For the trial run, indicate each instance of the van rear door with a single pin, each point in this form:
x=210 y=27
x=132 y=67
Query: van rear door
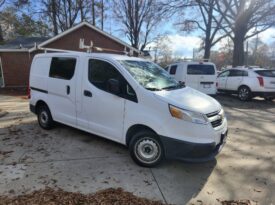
x=202 y=77
x=62 y=89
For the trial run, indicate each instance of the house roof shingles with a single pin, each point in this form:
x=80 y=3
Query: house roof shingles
x=23 y=42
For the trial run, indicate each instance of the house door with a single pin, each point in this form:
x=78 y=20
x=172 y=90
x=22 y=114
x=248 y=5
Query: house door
x=1 y=75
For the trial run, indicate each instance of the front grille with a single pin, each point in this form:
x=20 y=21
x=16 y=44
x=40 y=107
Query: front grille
x=212 y=114
x=216 y=123
x=216 y=118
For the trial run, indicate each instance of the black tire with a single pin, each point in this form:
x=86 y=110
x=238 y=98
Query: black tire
x=269 y=98
x=146 y=149
x=244 y=93
x=44 y=117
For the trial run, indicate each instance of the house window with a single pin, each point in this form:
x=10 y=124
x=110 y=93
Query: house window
x=62 y=68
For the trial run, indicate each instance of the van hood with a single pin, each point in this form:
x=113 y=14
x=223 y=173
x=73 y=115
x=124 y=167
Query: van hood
x=189 y=99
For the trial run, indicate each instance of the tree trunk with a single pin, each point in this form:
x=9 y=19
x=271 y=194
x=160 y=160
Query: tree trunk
x=54 y=16
x=208 y=40
x=102 y=15
x=93 y=12
x=207 y=49
x=81 y=11
x=1 y=35
x=238 y=52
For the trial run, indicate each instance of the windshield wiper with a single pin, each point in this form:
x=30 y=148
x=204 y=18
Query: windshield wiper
x=154 y=89
x=180 y=85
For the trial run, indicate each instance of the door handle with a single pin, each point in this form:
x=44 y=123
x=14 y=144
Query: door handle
x=87 y=93
x=68 y=89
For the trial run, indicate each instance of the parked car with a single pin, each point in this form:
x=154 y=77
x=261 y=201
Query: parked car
x=248 y=83
x=128 y=100
x=198 y=75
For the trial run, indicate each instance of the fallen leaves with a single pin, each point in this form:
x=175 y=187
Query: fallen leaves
x=49 y=196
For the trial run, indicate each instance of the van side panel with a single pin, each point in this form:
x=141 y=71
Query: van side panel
x=39 y=73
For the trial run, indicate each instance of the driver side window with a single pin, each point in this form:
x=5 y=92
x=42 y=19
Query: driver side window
x=100 y=72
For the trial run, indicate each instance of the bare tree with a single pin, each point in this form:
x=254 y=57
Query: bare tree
x=102 y=9
x=64 y=14
x=68 y=13
x=53 y=7
x=198 y=15
x=163 y=50
x=139 y=18
x=243 y=20
x=93 y=12
x=2 y=2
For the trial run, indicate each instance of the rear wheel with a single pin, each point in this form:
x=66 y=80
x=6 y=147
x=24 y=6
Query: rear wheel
x=244 y=93
x=146 y=149
x=44 y=117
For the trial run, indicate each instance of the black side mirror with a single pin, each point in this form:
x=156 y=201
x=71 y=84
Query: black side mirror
x=113 y=86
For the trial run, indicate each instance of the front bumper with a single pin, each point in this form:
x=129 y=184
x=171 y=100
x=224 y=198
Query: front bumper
x=193 y=152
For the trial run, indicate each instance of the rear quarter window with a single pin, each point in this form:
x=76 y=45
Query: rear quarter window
x=62 y=68
x=200 y=69
x=266 y=73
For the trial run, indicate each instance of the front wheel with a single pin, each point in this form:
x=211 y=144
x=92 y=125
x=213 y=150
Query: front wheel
x=44 y=117
x=244 y=93
x=146 y=149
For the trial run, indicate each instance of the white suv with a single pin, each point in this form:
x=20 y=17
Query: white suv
x=248 y=82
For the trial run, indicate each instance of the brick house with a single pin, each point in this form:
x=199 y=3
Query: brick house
x=16 y=56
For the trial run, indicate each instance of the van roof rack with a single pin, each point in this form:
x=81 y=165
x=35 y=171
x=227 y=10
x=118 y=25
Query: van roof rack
x=91 y=47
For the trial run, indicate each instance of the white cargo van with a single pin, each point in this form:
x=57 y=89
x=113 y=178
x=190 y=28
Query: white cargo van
x=198 y=75
x=128 y=100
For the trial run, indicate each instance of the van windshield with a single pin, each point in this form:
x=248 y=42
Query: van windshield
x=150 y=75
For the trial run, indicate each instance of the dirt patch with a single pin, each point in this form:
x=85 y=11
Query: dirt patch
x=50 y=196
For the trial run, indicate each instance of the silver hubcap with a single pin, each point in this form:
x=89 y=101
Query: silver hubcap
x=243 y=94
x=147 y=150
x=44 y=117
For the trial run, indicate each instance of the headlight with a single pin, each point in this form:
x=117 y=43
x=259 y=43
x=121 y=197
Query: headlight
x=188 y=115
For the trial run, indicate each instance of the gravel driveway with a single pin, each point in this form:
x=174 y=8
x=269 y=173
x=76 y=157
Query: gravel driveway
x=32 y=158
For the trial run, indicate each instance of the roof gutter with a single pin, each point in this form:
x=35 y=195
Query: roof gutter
x=14 y=50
